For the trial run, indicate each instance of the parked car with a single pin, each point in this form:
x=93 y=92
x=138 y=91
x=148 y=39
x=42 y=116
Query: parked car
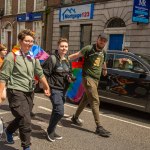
x=127 y=83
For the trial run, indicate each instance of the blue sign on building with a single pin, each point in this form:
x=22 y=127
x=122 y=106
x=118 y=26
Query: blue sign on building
x=76 y=12
x=21 y=18
x=141 y=11
x=29 y=17
x=37 y=16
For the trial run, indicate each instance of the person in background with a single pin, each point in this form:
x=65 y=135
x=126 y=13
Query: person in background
x=18 y=72
x=125 y=50
x=94 y=63
x=3 y=52
x=124 y=60
x=58 y=72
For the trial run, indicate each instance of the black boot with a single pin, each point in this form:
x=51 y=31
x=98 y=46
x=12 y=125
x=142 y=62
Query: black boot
x=102 y=132
x=76 y=121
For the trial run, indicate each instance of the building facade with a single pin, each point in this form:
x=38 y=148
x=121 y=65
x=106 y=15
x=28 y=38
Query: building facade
x=81 y=21
x=18 y=15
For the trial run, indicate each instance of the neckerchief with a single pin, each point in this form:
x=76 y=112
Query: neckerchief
x=16 y=50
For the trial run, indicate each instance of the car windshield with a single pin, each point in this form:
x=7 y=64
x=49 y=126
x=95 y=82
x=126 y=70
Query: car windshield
x=144 y=57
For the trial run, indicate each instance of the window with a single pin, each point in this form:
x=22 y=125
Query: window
x=85 y=38
x=125 y=62
x=110 y=58
x=64 y=31
x=8 y=7
x=39 y=5
x=20 y=27
x=21 y=6
x=37 y=28
x=116 y=22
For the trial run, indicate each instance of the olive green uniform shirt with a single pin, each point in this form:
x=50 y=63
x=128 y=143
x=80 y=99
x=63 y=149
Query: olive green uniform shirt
x=93 y=61
x=19 y=71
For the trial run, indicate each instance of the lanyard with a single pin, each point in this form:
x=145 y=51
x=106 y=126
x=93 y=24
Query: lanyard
x=23 y=55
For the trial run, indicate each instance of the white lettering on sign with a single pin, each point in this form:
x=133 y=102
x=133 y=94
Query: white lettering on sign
x=142 y=2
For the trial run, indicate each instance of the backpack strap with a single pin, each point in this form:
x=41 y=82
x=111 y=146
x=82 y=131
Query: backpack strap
x=14 y=57
x=53 y=57
x=91 y=51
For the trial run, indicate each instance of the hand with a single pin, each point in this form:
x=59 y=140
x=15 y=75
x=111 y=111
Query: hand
x=104 y=72
x=70 y=80
x=47 y=92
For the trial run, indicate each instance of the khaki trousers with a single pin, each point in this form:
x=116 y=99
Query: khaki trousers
x=91 y=96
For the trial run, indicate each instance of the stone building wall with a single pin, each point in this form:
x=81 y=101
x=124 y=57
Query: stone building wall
x=136 y=35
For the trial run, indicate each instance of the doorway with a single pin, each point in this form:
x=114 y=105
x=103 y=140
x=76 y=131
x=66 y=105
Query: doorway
x=116 y=29
x=116 y=41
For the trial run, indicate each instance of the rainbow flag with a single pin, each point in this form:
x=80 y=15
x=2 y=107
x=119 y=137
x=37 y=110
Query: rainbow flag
x=39 y=53
x=76 y=89
x=35 y=52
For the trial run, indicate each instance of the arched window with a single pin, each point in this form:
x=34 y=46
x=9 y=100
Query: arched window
x=8 y=26
x=115 y=23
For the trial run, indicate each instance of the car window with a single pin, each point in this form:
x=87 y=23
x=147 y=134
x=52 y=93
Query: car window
x=109 y=60
x=127 y=63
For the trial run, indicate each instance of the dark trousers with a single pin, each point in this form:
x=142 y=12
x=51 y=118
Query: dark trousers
x=58 y=99
x=21 y=104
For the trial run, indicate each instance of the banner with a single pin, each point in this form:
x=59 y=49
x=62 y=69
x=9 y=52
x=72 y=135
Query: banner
x=76 y=12
x=141 y=11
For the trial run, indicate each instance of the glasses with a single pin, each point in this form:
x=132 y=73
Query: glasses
x=28 y=41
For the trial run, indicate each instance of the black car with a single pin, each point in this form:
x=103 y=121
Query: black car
x=128 y=80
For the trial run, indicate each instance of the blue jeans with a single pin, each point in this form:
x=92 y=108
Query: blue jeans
x=58 y=99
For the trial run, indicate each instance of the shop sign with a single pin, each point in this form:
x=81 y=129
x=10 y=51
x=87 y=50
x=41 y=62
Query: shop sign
x=22 y=17
x=141 y=11
x=29 y=17
x=76 y=12
x=37 y=16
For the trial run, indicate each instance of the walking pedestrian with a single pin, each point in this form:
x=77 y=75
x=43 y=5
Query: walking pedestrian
x=94 y=63
x=58 y=72
x=18 y=72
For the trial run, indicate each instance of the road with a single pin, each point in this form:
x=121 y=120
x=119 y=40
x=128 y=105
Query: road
x=130 y=129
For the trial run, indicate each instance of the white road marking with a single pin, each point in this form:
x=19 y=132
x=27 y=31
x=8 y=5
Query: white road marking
x=103 y=115
x=44 y=108
x=5 y=112
x=112 y=99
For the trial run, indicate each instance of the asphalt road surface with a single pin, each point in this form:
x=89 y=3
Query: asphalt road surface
x=130 y=129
